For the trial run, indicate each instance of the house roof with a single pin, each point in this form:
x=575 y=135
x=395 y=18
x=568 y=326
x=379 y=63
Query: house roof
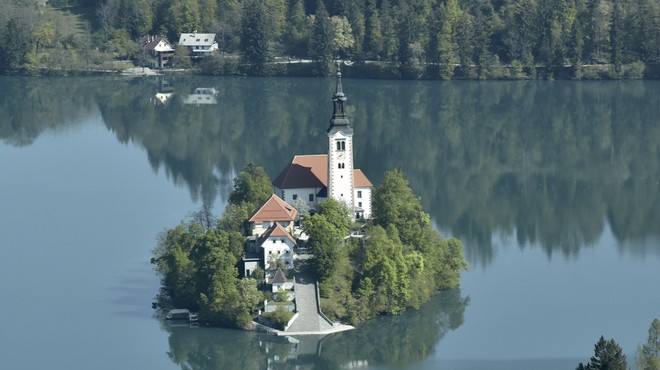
x=152 y=42
x=360 y=180
x=276 y=231
x=311 y=171
x=304 y=171
x=197 y=39
x=279 y=277
x=274 y=209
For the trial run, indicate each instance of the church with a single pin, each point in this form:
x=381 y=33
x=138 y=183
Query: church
x=312 y=179
x=317 y=177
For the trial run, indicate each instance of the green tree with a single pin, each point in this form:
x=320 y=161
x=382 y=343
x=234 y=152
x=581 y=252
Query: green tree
x=325 y=239
x=255 y=37
x=320 y=43
x=182 y=57
x=647 y=356
x=395 y=204
x=373 y=38
x=616 y=38
x=337 y=213
x=15 y=46
x=343 y=39
x=251 y=186
x=297 y=29
x=608 y=355
x=186 y=15
x=447 y=48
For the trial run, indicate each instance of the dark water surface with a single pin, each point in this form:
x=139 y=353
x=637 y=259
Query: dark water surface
x=554 y=188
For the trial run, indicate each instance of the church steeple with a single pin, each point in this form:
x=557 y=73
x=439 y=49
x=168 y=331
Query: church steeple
x=340 y=151
x=339 y=119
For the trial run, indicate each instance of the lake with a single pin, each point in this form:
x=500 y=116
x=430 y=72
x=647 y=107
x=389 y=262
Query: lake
x=553 y=187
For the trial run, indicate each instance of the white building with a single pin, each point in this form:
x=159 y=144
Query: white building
x=199 y=44
x=277 y=244
x=159 y=49
x=314 y=178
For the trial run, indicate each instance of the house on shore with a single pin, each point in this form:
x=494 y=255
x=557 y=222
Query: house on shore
x=159 y=49
x=199 y=44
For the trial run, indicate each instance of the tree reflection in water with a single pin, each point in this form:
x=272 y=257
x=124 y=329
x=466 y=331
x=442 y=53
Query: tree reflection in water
x=390 y=340
x=549 y=164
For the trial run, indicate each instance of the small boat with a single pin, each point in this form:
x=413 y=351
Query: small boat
x=181 y=314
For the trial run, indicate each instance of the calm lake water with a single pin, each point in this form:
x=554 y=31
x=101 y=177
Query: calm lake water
x=554 y=188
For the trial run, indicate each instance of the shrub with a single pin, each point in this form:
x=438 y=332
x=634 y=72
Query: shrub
x=280 y=317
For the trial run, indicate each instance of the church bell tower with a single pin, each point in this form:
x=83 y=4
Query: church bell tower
x=340 y=151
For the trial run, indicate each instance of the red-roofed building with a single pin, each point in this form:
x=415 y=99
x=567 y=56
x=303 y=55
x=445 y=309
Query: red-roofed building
x=277 y=243
x=272 y=211
x=314 y=178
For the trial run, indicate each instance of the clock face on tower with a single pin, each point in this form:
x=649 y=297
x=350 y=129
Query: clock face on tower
x=340 y=155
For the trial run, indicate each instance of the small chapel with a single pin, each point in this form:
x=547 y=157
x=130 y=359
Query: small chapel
x=316 y=177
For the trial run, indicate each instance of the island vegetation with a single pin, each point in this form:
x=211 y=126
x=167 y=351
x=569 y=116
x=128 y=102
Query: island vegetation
x=399 y=261
x=437 y=39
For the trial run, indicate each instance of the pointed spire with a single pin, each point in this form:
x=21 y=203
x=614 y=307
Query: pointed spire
x=339 y=93
x=338 y=113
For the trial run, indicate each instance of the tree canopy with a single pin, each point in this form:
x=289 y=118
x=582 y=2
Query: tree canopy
x=648 y=355
x=398 y=263
x=421 y=38
x=197 y=260
x=608 y=355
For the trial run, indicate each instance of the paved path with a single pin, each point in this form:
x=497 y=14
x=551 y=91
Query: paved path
x=309 y=321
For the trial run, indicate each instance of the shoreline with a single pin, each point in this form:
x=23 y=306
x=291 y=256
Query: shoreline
x=226 y=66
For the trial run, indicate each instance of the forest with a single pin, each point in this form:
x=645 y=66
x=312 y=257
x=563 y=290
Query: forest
x=436 y=39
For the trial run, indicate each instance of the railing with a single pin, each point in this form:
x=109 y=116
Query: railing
x=318 y=305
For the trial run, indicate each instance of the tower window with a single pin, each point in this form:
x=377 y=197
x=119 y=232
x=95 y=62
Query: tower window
x=341 y=165
x=294 y=196
x=359 y=193
x=341 y=144
x=311 y=197
x=360 y=204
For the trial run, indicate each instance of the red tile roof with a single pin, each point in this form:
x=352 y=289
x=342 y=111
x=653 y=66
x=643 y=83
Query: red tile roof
x=274 y=209
x=304 y=171
x=276 y=231
x=311 y=171
x=360 y=180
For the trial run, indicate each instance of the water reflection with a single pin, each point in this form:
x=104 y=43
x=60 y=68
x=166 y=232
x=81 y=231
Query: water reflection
x=551 y=164
x=394 y=341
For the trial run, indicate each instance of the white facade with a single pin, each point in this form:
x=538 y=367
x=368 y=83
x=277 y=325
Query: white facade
x=306 y=194
x=199 y=44
x=340 y=167
x=278 y=247
x=362 y=196
x=258 y=228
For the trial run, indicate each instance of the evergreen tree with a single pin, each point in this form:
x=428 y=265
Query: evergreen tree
x=255 y=38
x=320 y=43
x=297 y=29
x=373 y=38
x=608 y=355
x=616 y=39
x=14 y=48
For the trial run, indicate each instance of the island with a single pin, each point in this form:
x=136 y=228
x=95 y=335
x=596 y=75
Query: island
x=315 y=251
